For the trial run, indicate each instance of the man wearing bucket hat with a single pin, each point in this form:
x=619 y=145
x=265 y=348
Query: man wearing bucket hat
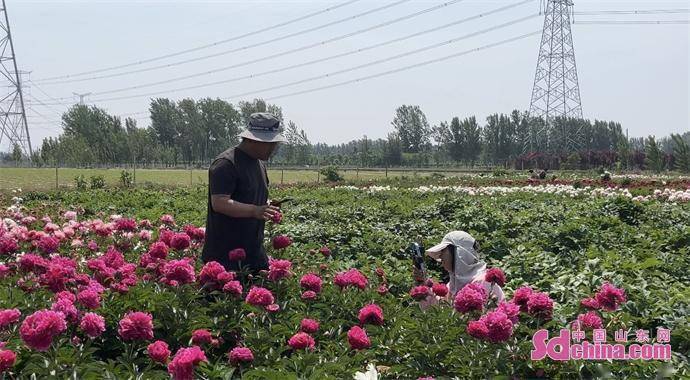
x=458 y=253
x=238 y=196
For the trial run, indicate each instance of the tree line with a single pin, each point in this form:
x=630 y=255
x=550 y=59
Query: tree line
x=195 y=131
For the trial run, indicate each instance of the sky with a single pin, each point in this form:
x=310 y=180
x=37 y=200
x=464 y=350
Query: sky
x=634 y=74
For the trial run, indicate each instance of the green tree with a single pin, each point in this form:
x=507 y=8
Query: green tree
x=681 y=153
x=653 y=155
x=412 y=128
x=393 y=150
x=17 y=153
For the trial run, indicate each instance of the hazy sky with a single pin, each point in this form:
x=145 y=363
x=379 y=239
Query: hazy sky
x=635 y=74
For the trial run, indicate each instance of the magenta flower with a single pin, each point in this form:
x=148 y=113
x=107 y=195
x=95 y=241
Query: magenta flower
x=470 y=298
x=301 y=341
x=281 y=242
x=311 y=281
x=237 y=254
x=258 y=296
x=495 y=276
x=136 y=326
x=309 y=326
x=38 y=329
x=609 y=297
x=358 y=339
x=182 y=365
x=371 y=314
x=158 y=351
x=240 y=355
x=540 y=305
x=92 y=325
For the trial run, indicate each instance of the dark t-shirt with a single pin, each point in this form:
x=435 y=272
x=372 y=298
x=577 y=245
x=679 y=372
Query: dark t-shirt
x=244 y=178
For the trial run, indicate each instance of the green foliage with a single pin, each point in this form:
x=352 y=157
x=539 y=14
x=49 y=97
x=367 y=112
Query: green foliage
x=126 y=179
x=330 y=173
x=653 y=155
x=80 y=182
x=97 y=182
x=681 y=153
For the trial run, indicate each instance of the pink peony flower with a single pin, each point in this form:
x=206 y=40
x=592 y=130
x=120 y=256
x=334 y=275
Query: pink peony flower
x=126 y=224
x=273 y=308
x=279 y=269
x=382 y=290
x=325 y=251
x=499 y=327
x=259 y=297
x=158 y=250
x=158 y=351
x=4 y=271
x=309 y=326
x=351 y=278
x=495 y=276
x=521 y=296
x=167 y=219
x=7 y=359
x=311 y=281
x=277 y=217
x=89 y=299
x=309 y=295
x=477 y=329
x=201 y=337
x=196 y=234
x=237 y=254
x=38 y=329
x=358 y=339
x=179 y=271
x=590 y=320
x=590 y=303
x=182 y=365
x=301 y=341
x=420 y=292
x=371 y=314
x=8 y=317
x=213 y=276
x=540 y=305
x=609 y=297
x=281 y=242
x=440 y=290
x=180 y=241
x=8 y=245
x=92 y=325
x=511 y=310
x=67 y=308
x=470 y=298
x=48 y=244
x=136 y=326
x=70 y=215
x=145 y=235
x=233 y=288
x=240 y=355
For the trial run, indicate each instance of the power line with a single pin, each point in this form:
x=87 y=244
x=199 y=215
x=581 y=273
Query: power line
x=234 y=38
x=409 y=67
x=241 y=48
x=319 y=60
x=632 y=22
x=633 y=12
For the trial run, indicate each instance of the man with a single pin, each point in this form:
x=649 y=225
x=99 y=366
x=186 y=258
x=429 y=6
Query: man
x=238 y=196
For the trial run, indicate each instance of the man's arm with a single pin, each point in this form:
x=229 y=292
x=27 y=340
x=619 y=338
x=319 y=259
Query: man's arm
x=223 y=204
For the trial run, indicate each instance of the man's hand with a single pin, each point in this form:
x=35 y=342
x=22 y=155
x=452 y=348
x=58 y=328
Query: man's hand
x=265 y=212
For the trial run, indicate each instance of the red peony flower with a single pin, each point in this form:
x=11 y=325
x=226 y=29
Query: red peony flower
x=540 y=305
x=511 y=310
x=125 y=224
x=201 y=337
x=48 y=244
x=213 y=276
x=301 y=341
x=382 y=290
x=358 y=339
x=521 y=296
x=158 y=351
x=279 y=269
x=609 y=297
x=180 y=241
x=7 y=359
x=440 y=290
x=180 y=271
x=495 y=276
x=500 y=328
x=158 y=250
x=309 y=295
x=325 y=251
x=259 y=297
x=237 y=254
x=89 y=299
x=420 y=292
x=38 y=329
x=277 y=217
x=590 y=320
x=92 y=325
x=240 y=355
x=182 y=365
x=67 y=308
x=371 y=314
x=281 y=242
x=196 y=234
x=309 y=326
x=470 y=298
x=136 y=326
x=311 y=282
x=8 y=317
x=590 y=303
x=8 y=245
x=233 y=288
x=477 y=329
x=351 y=278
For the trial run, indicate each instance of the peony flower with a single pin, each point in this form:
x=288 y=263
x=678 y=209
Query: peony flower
x=309 y=326
x=351 y=278
x=471 y=297
x=240 y=355
x=609 y=297
x=371 y=314
x=420 y=292
x=325 y=251
x=67 y=308
x=136 y=326
x=511 y=310
x=38 y=329
x=258 y=296
x=8 y=245
x=277 y=217
x=590 y=320
x=213 y=276
x=301 y=341
x=309 y=295
x=48 y=244
x=89 y=299
x=281 y=242
x=382 y=290
x=196 y=234
x=499 y=327
x=540 y=305
x=167 y=219
x=158 y=250
x=125 y=224
x=590 y=303
x=311 y=282
x=158 y=351
x=92 y=325
x=358 y=339
x=273 y=308
x=7 y=359
x=180 y=241
x=521 y=296
x=279 y=269
x=495 y=276
x=201 y=337
x=440 y=290
x=237 y=254
x=233 y=288
x=182 y=365
x=8 y=317
x=477 y=329
x=180 y=271
x=70 y=215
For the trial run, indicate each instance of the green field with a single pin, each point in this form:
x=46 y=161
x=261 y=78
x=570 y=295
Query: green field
x=45 y=178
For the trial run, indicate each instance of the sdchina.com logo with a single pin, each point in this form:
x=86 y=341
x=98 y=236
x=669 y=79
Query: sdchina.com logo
x=571 y=345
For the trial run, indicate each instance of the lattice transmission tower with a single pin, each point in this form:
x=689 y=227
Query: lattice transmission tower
x=13 y=126
x=556 y=92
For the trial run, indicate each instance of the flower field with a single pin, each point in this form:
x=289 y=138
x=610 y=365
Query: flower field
x=107 y=284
